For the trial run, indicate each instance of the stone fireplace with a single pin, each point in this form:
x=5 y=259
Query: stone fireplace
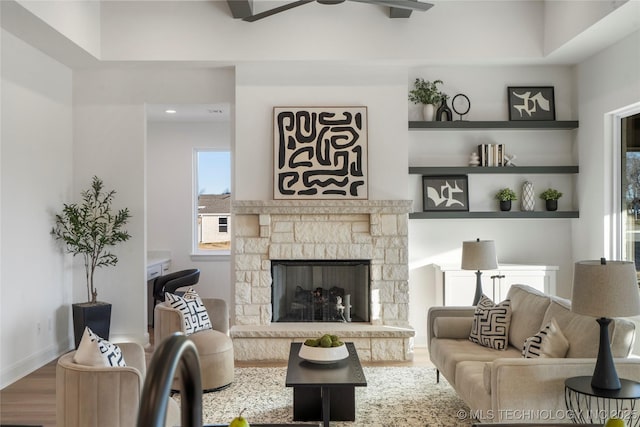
x=321 y=230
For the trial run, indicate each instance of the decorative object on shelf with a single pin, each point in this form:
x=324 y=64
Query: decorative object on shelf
x=508 y=159
x=444 y=113
x=445 y=193
x=528 y=203
x=479 y=255
x=320 y=152
x=461 y=105
x=531 y=103
x=427 y=94
x=506 y=196
x=491 y=154
x=605 y=289
x=551 y=196
x=474 y=159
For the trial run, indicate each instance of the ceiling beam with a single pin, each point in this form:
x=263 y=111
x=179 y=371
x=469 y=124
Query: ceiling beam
x=241 y=8
x=395 y=12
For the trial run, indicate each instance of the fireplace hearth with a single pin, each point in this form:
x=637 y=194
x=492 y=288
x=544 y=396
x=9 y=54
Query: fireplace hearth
x=320 y=291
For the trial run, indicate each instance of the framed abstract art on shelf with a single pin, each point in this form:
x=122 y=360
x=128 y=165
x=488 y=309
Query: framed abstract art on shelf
x=531 y=103
x=445 y=193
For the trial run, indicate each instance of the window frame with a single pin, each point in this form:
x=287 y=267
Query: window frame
x=196 y=252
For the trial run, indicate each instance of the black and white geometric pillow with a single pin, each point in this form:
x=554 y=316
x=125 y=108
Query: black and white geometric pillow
x=491 y=321
x=95 y=351
x=195 y=313
x=549 y=342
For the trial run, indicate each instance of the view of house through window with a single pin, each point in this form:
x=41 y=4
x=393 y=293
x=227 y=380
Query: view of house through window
x=213 y=191
x=630 y=139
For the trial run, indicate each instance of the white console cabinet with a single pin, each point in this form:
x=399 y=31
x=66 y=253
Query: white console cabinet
x=459 y=286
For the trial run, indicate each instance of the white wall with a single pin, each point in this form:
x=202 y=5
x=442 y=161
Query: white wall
x=606 y=82
x=538 y=242
x=170 y=148
x=35 y=177
x=381 y=89
x=110 y=136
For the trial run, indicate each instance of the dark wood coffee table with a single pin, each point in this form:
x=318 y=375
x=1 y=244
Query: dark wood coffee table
x=324 y=391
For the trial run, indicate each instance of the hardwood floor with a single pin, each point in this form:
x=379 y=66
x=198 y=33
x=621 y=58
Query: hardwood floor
x=32 y=400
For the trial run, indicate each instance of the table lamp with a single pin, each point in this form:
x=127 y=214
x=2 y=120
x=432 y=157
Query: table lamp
x=479 y=255
x=605 y=289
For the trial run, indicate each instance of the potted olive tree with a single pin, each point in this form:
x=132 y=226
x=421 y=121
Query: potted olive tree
x=551 y=196
x=427 y=94
x=506 y=196
x=89 y=229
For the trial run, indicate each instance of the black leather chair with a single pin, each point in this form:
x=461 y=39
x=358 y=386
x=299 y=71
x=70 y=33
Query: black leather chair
x=171 y=282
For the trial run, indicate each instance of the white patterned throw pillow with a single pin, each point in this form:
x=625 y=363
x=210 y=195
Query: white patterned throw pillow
x=491 y=321
x=195 y=313
x=549 y=342
x=95 y=351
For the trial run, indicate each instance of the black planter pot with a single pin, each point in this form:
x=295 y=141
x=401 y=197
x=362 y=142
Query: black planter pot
x=552 y=205
x=505 y=205
x=97 y=316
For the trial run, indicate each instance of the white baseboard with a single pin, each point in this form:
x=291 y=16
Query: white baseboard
x=12 y=373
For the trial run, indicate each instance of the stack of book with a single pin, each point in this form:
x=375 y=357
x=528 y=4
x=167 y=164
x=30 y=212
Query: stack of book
x=491 y=154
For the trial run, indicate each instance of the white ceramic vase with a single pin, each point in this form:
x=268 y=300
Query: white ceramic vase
x=428 y=112
x=528 y=201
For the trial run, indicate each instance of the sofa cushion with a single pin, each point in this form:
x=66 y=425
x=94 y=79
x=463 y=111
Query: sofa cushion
x=447 y=353
x=95 y=351
x=490 y=326
x=195 y=313
x=549 y=342
x=583 y=332
x=528 y=306
x=452 y=327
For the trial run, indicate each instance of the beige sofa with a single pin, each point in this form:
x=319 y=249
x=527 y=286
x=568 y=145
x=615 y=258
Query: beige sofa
x=501 y=385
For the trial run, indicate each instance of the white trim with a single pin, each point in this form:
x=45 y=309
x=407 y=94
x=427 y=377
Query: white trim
x=613 y=139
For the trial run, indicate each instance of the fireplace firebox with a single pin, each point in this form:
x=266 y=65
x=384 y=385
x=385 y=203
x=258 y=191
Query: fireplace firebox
x=320 y=291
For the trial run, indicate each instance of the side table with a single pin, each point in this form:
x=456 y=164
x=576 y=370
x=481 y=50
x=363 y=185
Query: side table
x=594 y=405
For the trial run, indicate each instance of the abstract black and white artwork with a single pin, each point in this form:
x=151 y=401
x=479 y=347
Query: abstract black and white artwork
x=531 y=103
x=445 y=193
x=320 y=152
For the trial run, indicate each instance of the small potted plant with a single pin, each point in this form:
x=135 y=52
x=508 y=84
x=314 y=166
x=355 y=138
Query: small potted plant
x=427 y=94
x=551 y=196
x=506 y=196
x=89 y=229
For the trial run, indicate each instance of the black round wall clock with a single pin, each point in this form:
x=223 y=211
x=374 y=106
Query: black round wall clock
x=461 y=104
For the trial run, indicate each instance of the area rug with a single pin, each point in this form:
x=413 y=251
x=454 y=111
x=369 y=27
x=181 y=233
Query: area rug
x=394 y=396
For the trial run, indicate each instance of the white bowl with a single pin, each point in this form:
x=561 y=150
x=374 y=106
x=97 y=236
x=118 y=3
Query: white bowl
x=323 y=354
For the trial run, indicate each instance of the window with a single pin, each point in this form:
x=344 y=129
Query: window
x=630 y=191
x=213 y=201
x=222 y=225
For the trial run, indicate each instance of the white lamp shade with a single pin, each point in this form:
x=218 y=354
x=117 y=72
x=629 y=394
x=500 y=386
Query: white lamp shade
x=605 y=290
x=479 y=255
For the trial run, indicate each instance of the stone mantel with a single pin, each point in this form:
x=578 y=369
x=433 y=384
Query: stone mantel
x=310 y=207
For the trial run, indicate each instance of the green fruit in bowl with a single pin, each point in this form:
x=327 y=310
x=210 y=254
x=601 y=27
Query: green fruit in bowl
x=239 y=421
x=615 y=422
x=325 y=341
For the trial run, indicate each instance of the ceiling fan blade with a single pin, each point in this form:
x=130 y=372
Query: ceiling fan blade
x=400 y=4
x=275 y=10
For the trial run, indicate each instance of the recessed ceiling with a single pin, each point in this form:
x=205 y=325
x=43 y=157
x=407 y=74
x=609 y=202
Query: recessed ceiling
x=193 y=113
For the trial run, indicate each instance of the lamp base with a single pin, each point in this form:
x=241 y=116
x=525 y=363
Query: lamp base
x=478 y=294
x=605 y=375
